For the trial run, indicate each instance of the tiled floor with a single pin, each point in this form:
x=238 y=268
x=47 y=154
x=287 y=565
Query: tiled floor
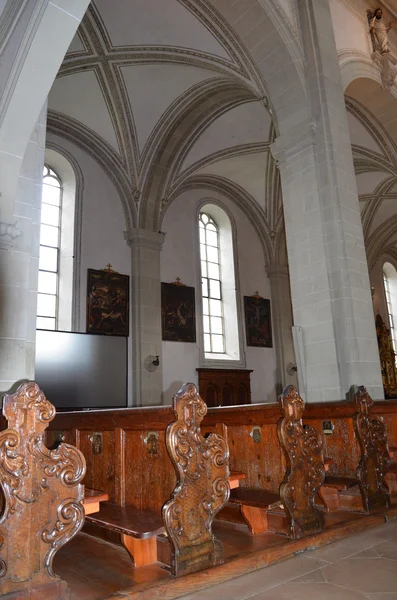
x=361 y=567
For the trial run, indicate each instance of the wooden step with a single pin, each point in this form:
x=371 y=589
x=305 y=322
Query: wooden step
x=255 y=498
x=340 y=483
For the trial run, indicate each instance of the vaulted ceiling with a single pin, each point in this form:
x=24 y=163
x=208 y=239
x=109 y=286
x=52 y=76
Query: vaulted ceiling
x=372 y=115
x=165 y=98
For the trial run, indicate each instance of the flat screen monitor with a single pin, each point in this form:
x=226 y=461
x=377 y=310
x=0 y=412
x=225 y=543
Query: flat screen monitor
x=81 y=370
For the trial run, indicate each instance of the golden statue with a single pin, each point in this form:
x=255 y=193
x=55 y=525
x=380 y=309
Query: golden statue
x=387 y=358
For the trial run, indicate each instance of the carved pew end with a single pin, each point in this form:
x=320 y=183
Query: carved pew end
x=41 y=497
x=202 y=470
x=305 y=471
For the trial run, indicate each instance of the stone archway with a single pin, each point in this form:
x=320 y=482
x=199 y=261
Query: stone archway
x=37 y=40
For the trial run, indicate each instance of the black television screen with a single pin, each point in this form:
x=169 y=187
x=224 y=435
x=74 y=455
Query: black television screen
x=81 y=370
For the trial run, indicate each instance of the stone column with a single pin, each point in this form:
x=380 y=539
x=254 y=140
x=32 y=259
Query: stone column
x=282 y=325
x=19 y=266
x=330 y=288
x=147 y=385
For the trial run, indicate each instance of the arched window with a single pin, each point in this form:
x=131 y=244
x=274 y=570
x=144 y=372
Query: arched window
x=50 y=239
x=390 y=284
x=221 y=337
x=60 y=239
x=214 y=338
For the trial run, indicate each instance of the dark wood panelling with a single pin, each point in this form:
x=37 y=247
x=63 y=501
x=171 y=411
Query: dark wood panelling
x=224 y=387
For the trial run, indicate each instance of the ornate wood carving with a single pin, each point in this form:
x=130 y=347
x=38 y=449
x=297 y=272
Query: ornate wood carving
x=305 y=467
x=202 y=468
x=387 y=358
x=224 y=387
x=41 y=497
x=375 y=459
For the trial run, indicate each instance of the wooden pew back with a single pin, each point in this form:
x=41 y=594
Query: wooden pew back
x=125 y=451
x=41 y=497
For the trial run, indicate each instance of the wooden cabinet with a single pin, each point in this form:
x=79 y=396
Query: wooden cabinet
x=225 y=387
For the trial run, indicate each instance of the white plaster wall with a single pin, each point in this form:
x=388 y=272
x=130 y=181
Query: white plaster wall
x=102 y=223
x=178 y=259
x=351 y=31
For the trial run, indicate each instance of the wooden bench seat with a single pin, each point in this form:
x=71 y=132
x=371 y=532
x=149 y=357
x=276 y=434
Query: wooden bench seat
x=138 y=530
x=339 y=483
x=341 y=493
x=92 y=500
x=254 y=498
x=254 y=506
x=235 y=478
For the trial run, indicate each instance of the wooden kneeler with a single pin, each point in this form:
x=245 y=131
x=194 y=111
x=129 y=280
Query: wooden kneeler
x=40 y=498
x=202 y=468
x=305 y=470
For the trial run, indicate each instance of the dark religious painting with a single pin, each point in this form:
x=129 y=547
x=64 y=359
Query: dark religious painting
x=178 y=313
x=107 y=302
x=257 y=321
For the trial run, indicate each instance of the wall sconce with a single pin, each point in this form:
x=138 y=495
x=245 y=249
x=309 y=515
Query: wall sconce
x=291 y=369
x=151 y=362
x=372 y=291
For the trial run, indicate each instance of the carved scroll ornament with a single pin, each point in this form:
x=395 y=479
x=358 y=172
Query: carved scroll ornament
x=375 y=458
x=40 y=495
x=202 y=486
x=305 y=467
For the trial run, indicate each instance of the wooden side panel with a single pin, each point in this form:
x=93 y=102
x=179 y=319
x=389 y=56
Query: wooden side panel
x=341 y=446
x=158 y=476
x=255 y=451
x=100 y=465
x=391 y=429
x=133 y=468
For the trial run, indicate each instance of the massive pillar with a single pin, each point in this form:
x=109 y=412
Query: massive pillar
x=282 y=326
x=330 y=287
x=19 y=266
x=147 y=380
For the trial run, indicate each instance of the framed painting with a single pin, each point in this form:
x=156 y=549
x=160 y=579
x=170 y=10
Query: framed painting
x=107 y=302
x=178 y=312
x=258 y=325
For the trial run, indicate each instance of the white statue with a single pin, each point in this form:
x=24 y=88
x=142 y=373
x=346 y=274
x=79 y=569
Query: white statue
x=379 y=30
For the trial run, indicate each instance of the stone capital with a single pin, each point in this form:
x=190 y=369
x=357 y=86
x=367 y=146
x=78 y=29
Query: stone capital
x=143 y=238
x=275 y=271
x=298 y=138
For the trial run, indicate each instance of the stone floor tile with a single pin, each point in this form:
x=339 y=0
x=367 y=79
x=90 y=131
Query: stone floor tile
x=379 y=575
x=355 y=544
x=312 y=577
x=308 y=591
x=387 y=549
x=369 y=553
x=385 y=596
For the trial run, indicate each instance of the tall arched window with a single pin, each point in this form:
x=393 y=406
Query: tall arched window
x=220 y=324
x=390 y=284
x=50 y=239
x=214 y=339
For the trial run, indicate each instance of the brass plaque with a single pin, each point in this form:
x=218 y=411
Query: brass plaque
x=328 y=428
x=152 y=442
x=256 y=434
x=96 y=441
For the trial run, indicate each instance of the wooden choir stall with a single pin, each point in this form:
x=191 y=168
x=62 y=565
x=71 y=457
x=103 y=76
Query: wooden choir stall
x=183 y=489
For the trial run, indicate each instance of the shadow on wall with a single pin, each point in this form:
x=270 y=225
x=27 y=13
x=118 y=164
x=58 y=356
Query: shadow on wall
x=171 y=391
